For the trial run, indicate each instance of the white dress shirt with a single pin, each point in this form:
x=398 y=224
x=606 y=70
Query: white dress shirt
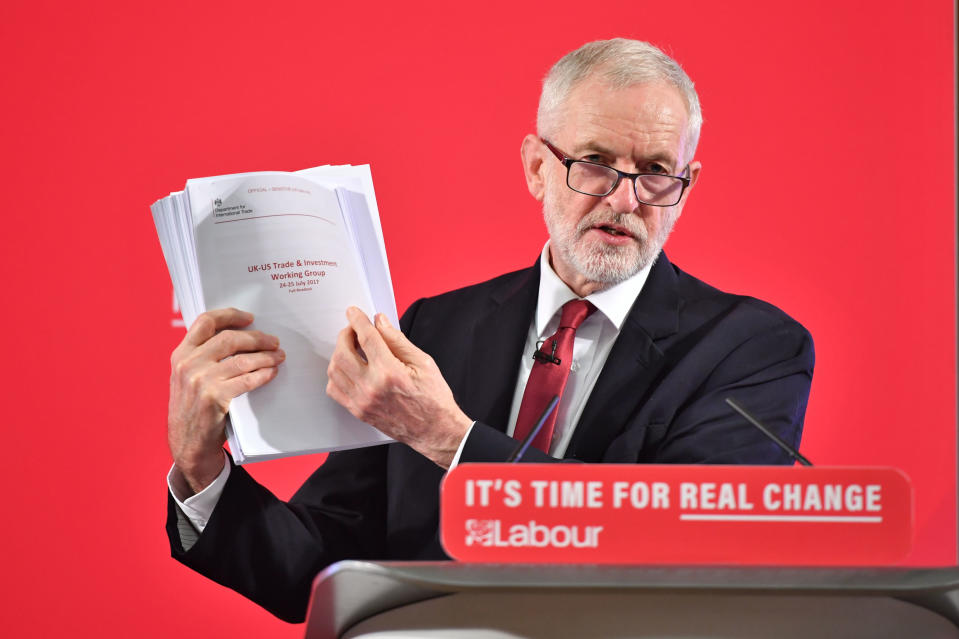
x=594 y=340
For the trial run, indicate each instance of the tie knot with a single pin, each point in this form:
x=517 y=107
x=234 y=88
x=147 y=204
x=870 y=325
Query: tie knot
x=574 y=313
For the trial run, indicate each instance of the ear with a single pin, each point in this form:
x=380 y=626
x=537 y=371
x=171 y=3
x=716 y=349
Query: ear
x=694 y=170
x=531 y=152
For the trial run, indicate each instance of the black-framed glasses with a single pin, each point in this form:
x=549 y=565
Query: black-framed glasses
x=593 y=178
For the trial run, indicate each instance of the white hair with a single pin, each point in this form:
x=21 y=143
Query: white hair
x=621 y=63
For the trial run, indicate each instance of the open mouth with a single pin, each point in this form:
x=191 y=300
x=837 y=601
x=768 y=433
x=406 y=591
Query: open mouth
x=613 y=230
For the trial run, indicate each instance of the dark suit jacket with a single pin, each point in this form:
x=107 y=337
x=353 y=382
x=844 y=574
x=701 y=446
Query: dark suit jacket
x=684 y=347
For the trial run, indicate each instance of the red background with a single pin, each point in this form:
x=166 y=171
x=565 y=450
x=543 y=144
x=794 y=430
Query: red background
x=827 y=189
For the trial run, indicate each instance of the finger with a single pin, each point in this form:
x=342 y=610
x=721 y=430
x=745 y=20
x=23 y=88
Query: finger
x=370 y=340
x=235 y=386
x=227 y=343
x=396 y=341
x=342 y=384
x=340 y=396
x=212 y=322
x=243 y=363
x=346 y=357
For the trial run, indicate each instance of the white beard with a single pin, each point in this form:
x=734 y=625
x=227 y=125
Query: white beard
x=603 y=263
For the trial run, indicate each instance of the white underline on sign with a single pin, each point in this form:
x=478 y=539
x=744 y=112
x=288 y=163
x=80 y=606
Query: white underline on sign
x=865 y=519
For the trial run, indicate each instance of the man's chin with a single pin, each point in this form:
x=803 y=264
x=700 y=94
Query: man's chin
x=611 y=266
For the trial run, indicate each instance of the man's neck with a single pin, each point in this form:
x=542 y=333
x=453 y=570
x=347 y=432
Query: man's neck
x=613 y=302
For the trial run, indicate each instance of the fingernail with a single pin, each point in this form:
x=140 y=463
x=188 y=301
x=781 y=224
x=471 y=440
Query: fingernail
x=281 y=354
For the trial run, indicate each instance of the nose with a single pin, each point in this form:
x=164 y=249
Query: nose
x=623 y=198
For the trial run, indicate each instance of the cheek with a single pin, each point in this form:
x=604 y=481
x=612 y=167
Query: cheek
x=567 y=207
x=553 y=193
x=662 y=221
x=654 y=218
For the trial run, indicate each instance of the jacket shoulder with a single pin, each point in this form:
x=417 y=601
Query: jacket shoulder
x=702 y=300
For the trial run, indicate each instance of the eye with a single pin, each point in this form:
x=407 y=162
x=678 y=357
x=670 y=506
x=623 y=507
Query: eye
x=655 y=167
x=595 y=157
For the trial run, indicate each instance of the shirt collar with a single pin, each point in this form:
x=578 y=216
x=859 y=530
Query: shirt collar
x=614 y=302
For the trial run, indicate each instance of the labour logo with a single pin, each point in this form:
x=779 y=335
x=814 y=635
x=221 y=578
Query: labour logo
x=480 y=532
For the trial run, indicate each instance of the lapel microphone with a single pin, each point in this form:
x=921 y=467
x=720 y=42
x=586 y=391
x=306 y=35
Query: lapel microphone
x=547 y=358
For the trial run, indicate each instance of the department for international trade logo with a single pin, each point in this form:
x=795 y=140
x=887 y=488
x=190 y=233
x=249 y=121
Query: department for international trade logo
x=217 y=203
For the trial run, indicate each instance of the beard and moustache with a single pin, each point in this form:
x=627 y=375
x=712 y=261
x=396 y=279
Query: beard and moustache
x=600 y=262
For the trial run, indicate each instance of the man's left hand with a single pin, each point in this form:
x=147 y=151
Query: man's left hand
x=378 y=375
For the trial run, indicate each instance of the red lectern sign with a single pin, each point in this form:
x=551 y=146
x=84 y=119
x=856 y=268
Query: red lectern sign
x=652 y=514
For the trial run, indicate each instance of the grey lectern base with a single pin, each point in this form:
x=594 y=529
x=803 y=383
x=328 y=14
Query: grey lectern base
x=394 y=600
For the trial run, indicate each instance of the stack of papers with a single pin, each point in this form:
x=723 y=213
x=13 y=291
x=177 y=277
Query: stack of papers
x=294 y=249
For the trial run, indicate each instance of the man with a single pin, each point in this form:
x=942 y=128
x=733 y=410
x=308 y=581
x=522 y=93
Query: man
x=642 y=368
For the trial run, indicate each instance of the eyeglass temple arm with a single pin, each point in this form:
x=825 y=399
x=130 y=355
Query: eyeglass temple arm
x=559 y=154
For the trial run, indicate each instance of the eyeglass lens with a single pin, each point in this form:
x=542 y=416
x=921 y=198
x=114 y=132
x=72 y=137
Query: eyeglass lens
x=595 y=179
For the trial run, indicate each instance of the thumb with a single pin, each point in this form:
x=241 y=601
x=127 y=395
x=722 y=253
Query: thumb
x=402 y=348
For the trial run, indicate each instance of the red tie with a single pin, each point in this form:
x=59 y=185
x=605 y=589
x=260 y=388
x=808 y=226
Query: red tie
x=549 y=378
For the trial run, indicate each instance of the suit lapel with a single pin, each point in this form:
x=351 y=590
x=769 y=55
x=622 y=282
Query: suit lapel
x=632 y=365
x=497 y=345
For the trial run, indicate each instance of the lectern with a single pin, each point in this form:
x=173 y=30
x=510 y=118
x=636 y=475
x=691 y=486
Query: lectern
x=392 y=600
x=689 y=552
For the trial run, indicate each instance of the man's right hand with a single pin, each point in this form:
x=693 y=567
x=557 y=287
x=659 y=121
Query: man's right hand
x=214 y=363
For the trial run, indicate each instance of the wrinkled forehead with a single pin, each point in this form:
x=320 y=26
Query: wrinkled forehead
x=638 y=115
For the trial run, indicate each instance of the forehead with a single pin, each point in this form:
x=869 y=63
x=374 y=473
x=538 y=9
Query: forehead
x=633 y=121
